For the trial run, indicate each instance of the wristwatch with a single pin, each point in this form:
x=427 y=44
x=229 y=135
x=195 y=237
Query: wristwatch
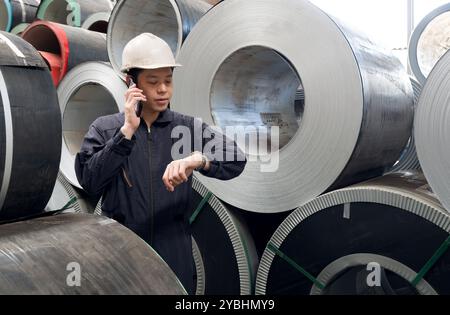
x=204 y=161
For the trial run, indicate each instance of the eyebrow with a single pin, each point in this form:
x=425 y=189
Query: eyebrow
x=156 y=77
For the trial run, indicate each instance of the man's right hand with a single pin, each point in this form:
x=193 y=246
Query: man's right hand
x=132 y=97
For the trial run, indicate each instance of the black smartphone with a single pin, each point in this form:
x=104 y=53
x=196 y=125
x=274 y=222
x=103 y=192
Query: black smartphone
x=138 y=107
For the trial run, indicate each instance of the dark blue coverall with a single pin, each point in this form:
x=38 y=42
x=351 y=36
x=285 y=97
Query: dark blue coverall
x=128 y=175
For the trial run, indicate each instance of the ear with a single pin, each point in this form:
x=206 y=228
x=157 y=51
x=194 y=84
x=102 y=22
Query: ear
x=129 y=80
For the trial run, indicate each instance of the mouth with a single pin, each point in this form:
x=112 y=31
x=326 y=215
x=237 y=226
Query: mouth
x=162 y=101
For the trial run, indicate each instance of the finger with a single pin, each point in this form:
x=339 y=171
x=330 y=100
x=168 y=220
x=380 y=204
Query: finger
x=135 y=95
x=166 y=178
x=170 y=171
x=183 y=174
x=174 y=178
x=176 y=173
x=132 y=90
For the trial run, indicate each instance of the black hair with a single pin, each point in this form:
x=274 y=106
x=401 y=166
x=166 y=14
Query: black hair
x=134 y=73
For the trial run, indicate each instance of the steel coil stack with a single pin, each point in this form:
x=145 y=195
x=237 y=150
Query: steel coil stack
x=15 y=12
x=356 y=173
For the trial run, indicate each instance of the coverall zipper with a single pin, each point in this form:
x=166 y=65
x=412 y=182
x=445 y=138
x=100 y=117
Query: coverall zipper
x=149 y=137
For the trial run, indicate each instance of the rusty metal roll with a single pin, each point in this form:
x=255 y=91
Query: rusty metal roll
x=30 y=129
x=223 y=249
x=87 y=92
x=172 y=20
x=249 y=59
x=15 y=12
x=325 y=247
x=69 y=46
x=80 y=254
x=71 y=12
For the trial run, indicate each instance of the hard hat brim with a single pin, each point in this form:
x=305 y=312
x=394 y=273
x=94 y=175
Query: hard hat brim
x=125 y=69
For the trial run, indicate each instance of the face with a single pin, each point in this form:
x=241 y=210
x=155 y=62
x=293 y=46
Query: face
x=157 y=87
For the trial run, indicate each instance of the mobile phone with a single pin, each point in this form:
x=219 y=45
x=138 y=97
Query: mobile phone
x=138 y=107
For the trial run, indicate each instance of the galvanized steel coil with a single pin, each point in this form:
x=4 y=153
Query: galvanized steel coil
x=80 y=254
x=69 y=46
x=326 y=245
x=71 y=12
x=249 y=59
x=172 y=20
x=87 y=92
x=18 y=29
x=97 y=22
x=30 y=129
x=15 y=12
x=429 y=42
x=409 y=160
x=67 y=197
x=223 y=249
x=432 y=130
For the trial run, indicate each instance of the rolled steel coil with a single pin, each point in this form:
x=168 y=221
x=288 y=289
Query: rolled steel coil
x=409 y=160
x=71 y=12
x=432 y=130
x=429 y=42
x=18 y=29
x=30 y=129
x=69 y=46
x=80 y=254
x=15 y=12
x=222 y=242
x=97 y=22
x=326 y=245
x=87 y=92
x=67 y=197
x=172 y=20
x=259 y=52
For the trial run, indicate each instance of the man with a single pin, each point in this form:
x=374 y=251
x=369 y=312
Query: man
x=128 y=159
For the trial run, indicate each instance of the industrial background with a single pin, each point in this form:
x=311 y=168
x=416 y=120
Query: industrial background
x=364 y=158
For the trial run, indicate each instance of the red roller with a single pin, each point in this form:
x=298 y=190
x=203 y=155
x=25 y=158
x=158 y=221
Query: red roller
x=64 y=47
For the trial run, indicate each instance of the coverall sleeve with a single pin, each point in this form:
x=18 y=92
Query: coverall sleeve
x=227 y=160
x=100 y=159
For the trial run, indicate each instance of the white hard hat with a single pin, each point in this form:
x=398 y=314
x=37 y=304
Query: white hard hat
x=147 y=51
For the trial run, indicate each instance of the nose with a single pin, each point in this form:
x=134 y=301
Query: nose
x=162 y=88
